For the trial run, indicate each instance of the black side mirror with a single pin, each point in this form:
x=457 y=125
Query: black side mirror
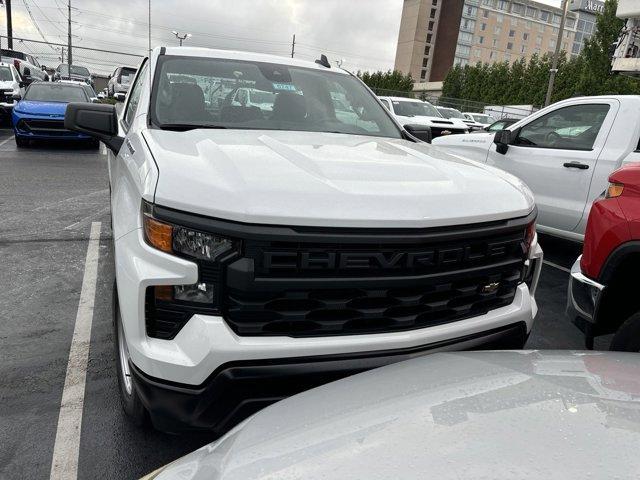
x=421 y=132
x=17 y=97
x=22 y=84
x=26 y=72
x=119 y=97
x=502 y=139
x=97 y=120
x=43 y=67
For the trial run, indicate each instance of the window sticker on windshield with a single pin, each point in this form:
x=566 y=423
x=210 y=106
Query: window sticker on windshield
x=287 y=87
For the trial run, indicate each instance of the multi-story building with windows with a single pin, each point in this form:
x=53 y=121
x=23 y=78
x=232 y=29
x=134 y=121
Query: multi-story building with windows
x=437 y=34
x=586 y=11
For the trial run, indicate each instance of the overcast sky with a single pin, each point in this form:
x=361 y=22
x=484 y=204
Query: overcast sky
x=362 y=32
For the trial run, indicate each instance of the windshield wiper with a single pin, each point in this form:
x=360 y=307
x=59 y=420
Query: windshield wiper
x=183 y=127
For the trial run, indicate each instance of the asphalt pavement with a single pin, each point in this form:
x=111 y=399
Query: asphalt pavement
x=49 y=198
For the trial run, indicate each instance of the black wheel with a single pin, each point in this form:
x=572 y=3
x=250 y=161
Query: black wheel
x=131 y=403
x=21 y=142
x=627 y=338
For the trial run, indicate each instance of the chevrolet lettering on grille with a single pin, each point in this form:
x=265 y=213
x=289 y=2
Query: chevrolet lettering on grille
x=384 y=260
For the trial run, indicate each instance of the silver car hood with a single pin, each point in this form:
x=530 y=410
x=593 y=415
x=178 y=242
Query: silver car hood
x=325 y=179
x=481 y=415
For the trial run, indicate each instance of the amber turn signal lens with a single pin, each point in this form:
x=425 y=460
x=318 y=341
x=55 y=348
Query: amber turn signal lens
x=158 y=234
x=164 y=292
x=614 y=190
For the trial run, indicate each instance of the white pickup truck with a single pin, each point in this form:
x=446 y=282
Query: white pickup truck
x=564 y=153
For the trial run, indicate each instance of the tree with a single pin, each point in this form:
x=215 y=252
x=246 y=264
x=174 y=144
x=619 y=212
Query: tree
x=390 y=80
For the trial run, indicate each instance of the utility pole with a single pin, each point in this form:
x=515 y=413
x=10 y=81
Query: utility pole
x=293 y=46
x=62 y=55
x=69 y=55
x=556 y=55
x=149 y=31
x=9 y=25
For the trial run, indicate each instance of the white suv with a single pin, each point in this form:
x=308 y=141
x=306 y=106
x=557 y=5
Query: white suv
x=260 y=252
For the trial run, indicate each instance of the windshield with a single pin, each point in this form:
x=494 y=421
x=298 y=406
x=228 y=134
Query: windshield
x=5 y=74
x=451 y=113
x=221 y=93
x=413 y=109
x=480 y=118
x=91 y=93
x=75 y=70
x=126 y=75
x=55 y=92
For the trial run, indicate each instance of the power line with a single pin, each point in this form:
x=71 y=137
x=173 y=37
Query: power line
x=33 y=20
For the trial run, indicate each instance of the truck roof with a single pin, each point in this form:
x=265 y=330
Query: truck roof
x=248 y=56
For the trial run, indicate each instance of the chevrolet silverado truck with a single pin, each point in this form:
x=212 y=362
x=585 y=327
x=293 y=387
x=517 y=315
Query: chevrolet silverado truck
x=263 y=251
x=564 y=153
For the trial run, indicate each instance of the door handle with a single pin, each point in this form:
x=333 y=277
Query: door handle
x=578 y=165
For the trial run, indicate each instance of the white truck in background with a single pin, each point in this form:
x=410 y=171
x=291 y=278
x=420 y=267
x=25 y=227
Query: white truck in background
x=564 y=153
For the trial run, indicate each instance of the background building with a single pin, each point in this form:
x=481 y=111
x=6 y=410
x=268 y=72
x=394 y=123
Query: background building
x=437 y=34
x=586 y=11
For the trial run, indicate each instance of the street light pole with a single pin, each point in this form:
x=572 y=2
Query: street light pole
x=556 y=55
x=9 y=25
x=181 y=37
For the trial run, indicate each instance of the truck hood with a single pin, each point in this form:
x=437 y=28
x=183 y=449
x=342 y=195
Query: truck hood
x=325 y=179
x=41 y=108
x=454 y=416
x=9 y=84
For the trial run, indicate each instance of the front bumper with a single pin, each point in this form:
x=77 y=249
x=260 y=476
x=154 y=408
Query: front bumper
x=236 y=390
x=207 y=342
x=43 y=128
x=584 y=295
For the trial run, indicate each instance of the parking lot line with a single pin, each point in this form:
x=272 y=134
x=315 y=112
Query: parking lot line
x=6 y=140
x=555 y=265
x=64 y=464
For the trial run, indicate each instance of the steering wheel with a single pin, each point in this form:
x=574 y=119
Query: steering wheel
x=552 y=137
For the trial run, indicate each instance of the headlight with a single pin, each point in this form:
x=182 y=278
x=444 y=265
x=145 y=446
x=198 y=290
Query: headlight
x=202 y=247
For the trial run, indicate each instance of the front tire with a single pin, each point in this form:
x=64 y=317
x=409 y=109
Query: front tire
x=129 y=398
x=21 y=142
x=627 y=338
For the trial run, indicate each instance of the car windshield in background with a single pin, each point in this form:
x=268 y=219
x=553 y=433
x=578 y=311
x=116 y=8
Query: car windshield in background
x=5 y=74
x=483 y=118
x=451 y=113
x=414 y=109
x=55 y=92
x=75 y=70
x=127 y=75
x=209 y=92
x=91 y=93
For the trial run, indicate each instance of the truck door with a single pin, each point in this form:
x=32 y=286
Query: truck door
x=555 y=155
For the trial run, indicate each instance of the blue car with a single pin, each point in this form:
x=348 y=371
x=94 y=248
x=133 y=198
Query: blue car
x=39 y=115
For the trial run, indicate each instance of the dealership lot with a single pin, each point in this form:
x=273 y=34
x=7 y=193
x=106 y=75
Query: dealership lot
x=50 y=197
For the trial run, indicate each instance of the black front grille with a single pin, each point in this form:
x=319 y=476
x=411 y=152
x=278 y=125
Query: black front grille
x=44 y=127
x=344 y=311
x=438 y=132
x=311 y=281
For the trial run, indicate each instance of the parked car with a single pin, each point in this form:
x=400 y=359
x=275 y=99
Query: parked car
x=91 y=93
x=74 y=73
x=454 y=416
x=409 y=111
x=564 y=153
x=501 y=124
x=39 y=115
x=27 y=65
x=481 y=119
x=602 y=289
x=10 y=84
x=452 y=113
x=120 y=80
x=260 y=254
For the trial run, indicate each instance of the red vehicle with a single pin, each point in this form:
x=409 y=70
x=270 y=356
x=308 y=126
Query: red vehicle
x=604 y=289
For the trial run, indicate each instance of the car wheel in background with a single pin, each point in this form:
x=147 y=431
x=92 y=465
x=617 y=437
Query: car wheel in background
x=627 y=338
x=21 y=142
x=131 y=403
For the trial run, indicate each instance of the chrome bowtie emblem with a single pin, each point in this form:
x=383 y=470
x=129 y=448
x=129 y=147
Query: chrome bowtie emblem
x=490 y=288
